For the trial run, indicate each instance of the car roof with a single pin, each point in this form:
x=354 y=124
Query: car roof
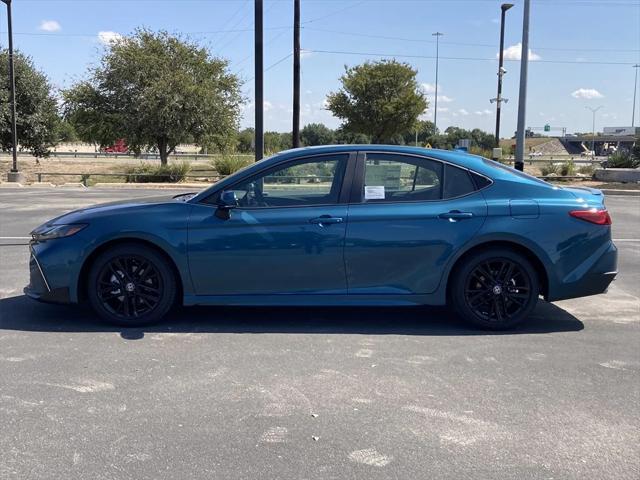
x=458 y=157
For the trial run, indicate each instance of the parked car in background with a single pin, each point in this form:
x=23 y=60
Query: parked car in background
x=118 y=147
x=336 y=225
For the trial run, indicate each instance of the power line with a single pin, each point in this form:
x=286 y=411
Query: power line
x=203 y=32
x=378 y=54
x=276 y=63
x=491 y=45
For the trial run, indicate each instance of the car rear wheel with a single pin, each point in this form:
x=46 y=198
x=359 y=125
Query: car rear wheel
x=131 y=285
x=495 y=289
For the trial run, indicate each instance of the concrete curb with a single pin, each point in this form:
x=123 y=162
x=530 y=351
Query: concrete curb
x=11 y=185
x=41 y=185
x=630 y=193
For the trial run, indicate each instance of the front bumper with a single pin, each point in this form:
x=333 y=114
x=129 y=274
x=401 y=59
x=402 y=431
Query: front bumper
x=39 y=288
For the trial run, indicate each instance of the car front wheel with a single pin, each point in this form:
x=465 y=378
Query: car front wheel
x=131 y=285
x=495 y=289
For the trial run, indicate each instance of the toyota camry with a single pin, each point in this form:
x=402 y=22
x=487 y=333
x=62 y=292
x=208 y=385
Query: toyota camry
x=336 y=225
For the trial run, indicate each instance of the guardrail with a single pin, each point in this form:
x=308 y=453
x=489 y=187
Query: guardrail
x=142 y=156
x=85 y=177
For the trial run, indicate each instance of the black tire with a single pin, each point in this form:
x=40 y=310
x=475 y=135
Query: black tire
x=494 y=289
x=131 y=285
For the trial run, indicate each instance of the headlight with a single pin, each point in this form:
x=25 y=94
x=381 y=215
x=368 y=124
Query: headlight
x=49 y=232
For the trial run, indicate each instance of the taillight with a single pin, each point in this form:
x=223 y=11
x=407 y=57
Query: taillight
x=593 y=215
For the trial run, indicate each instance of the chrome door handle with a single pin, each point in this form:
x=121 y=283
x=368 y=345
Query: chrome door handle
x=325 y=220
x=455 y=215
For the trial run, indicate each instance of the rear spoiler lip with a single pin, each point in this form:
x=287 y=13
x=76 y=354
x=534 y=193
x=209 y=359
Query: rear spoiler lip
x=592 y=191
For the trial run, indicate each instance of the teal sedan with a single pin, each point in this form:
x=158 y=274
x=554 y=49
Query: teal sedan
x=336 y=225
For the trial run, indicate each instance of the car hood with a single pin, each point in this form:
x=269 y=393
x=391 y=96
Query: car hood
x=84 y=215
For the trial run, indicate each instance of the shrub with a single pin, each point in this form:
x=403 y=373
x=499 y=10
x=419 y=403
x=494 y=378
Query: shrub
x=623 y=159
x=150 y=173
x=586 y=170
x=228 y=164
x=483 y=152
x=550 y=169
x=568 y=169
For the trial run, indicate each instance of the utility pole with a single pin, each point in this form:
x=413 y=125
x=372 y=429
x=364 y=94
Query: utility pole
x=635 y=89
x=435 y=110
x=593 y=129
x=522 y=97
x=501 y=71
x=296 y=73
x=259 y=82
x=14 y=175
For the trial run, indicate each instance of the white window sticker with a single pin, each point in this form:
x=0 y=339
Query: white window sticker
x=374 y=192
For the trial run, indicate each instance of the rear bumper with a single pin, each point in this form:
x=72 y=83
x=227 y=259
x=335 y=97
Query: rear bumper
x=593 y=280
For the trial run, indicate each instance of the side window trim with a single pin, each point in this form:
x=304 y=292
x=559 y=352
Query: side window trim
x=358 y=182
x=346 y=176
x=357 y=188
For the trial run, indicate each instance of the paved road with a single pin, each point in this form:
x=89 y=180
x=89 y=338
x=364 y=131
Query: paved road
x=315 y=393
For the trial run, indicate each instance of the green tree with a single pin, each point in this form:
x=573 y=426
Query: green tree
x=36 y=110
x=344 y=137
x=380 y=99
x=425 y=129
x=317 y=134
x=156 y=90
x=245 y=140
x=65 y=132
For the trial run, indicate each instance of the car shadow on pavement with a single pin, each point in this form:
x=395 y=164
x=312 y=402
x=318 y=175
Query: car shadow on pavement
x=21 y=313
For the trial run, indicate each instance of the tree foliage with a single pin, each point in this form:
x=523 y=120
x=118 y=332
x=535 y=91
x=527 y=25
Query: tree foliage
x=36 y=110
x=379 y=99
x=317 y=134
x=156 y=90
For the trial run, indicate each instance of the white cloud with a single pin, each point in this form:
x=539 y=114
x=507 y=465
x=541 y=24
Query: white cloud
x=444 y=99
x=267 y=105
x=430 y=87
x=514 y=52
x=483 y=112
x=443 y=109
x=49 y=26
x=305 y=53
x=108 y=37
x=587 y=93
x=463 y=112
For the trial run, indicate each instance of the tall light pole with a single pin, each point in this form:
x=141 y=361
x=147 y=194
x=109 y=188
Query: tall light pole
x=593 y=128
x=635 y=89
x=259 y=82
x=522 y=96
x=501 y=71
x=296 y=74
x=14 y=175
x=435 y=110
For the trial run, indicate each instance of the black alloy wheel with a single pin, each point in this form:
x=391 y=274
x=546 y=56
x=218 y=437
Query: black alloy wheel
x=131 y=285
x=495 y=289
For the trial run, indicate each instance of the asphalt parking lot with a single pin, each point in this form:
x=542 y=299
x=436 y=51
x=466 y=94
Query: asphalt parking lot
x=315 y=393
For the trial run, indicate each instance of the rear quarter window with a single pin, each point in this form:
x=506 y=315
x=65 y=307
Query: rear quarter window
x=457 y=182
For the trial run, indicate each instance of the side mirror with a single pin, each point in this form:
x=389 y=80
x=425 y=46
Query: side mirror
x=226 y=202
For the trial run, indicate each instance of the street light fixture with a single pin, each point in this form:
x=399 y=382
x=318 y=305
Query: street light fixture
x=435 y=111
x=593 y=129
x=501 y=71
x=14 y=175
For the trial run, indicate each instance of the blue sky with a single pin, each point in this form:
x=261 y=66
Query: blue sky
x=583 y=50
